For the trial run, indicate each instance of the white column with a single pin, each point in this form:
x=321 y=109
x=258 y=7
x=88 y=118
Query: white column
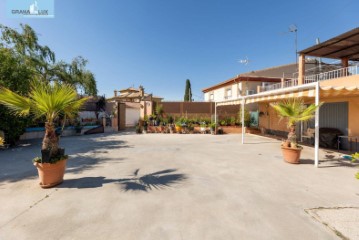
x=242 y=120
x=316 y=146
x=215 y=117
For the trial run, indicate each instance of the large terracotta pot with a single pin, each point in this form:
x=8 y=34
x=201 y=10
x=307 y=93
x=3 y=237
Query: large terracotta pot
x=291 y=155
x=51 y=175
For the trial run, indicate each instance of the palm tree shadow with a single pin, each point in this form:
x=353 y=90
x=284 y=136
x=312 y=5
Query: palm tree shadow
x=152 y=181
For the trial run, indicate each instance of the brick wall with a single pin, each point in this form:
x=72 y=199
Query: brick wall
x=198 y=109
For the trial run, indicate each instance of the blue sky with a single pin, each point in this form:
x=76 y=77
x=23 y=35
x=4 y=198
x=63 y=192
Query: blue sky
x=161 y=43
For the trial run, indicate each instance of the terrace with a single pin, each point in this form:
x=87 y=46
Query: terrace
x=323 y=76
x=343 y=47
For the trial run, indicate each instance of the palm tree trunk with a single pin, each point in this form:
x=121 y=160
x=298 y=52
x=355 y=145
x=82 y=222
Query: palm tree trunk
x=292 y=136
x=51 y=140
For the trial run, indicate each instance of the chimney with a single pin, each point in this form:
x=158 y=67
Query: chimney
x=115 y=92
x=142 y=91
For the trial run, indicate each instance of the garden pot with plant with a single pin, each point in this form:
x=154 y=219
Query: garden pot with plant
x=178 y=127
x=49 y=101
x=203 y=127
x=294 y=110
x=213 y=128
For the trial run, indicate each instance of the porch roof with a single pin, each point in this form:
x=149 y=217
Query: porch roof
x=345 y=45
x=325 y=91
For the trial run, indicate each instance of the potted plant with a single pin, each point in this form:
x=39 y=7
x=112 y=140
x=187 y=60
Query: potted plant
x=294 y=110
x=78 y=128
x=49 y=101
x=178 y=126
x=213 y=128
x=203 y=127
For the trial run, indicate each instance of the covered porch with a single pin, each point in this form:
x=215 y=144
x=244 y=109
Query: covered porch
x=338 y=86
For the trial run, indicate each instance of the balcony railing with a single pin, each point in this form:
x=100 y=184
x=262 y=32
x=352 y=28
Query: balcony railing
x=343 y=72
x=291 y=83
x=288 y=83
x=271 y=87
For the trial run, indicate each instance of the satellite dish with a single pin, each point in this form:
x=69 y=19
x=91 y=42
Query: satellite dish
x=244 y=61
x=293 y=28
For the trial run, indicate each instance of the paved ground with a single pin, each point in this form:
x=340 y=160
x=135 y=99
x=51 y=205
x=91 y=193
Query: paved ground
x=159 y=186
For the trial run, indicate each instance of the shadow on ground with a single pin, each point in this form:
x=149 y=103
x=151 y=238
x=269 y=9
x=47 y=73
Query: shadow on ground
x=86 y=152
x=331 y=161
x=157 y=180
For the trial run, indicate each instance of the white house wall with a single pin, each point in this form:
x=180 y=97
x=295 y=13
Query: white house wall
x=220 y=93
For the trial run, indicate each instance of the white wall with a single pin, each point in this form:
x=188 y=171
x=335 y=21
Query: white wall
x=220 y=93
x=132 y=116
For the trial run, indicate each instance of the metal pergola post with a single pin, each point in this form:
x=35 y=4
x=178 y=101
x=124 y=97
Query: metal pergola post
x=316 y=145
x=242 y=120
x=215 y=117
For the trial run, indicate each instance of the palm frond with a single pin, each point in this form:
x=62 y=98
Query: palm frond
x=295 y=110
x=17 y=104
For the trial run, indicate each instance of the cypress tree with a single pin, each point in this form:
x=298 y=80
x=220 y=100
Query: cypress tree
x=188 y=92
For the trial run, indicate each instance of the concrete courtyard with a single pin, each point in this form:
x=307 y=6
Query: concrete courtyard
x=161 y=186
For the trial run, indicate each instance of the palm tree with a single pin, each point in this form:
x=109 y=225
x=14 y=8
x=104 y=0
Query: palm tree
x=45 y=100
x=294 y=110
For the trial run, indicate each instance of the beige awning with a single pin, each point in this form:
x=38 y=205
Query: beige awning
x=277 y=97
x=329 y=91
x=230 y=102
x=326 y=91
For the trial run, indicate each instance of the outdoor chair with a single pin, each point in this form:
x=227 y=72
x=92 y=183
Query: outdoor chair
x=309 y=134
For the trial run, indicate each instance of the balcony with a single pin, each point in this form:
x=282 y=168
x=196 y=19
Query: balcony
x=335 y=74
x=339 y=73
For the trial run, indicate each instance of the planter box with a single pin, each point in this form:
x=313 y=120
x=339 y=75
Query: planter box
x=238 y=130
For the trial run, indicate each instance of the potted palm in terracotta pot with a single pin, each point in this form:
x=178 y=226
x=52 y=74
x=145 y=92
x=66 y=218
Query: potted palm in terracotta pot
x=49 y=101
x=294 y=110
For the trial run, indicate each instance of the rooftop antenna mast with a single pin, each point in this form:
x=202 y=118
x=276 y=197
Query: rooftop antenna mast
x=293 y=28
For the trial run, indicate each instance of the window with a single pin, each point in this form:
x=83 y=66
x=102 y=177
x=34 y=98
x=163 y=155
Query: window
x=228 y=93
x=211 y=96
x=250 y=92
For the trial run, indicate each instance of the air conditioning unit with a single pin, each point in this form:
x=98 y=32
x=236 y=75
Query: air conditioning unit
x=250 y=92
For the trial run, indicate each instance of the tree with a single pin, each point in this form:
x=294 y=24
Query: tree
x=42 y=61
x=23 y=59
x=294 y=110
x=188 y=92
x=11 y=70
x=45 y=100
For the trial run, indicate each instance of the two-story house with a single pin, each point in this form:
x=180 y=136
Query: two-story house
x=252 y=82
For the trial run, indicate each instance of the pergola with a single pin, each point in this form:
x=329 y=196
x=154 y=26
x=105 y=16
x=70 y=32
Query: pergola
x=344 y=47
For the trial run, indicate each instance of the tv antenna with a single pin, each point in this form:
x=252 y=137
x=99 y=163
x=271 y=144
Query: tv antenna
x=244 y=61
x=293 y=29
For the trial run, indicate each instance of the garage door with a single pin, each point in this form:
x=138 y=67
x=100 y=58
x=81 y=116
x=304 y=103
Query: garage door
x=334 y=115
x=132 y=116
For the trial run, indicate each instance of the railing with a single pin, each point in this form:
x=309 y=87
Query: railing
x=271 y=87
x=343 y=72
x=291 y=83
x=288 y=83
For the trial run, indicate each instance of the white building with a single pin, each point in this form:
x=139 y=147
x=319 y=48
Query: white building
x=249 y=83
